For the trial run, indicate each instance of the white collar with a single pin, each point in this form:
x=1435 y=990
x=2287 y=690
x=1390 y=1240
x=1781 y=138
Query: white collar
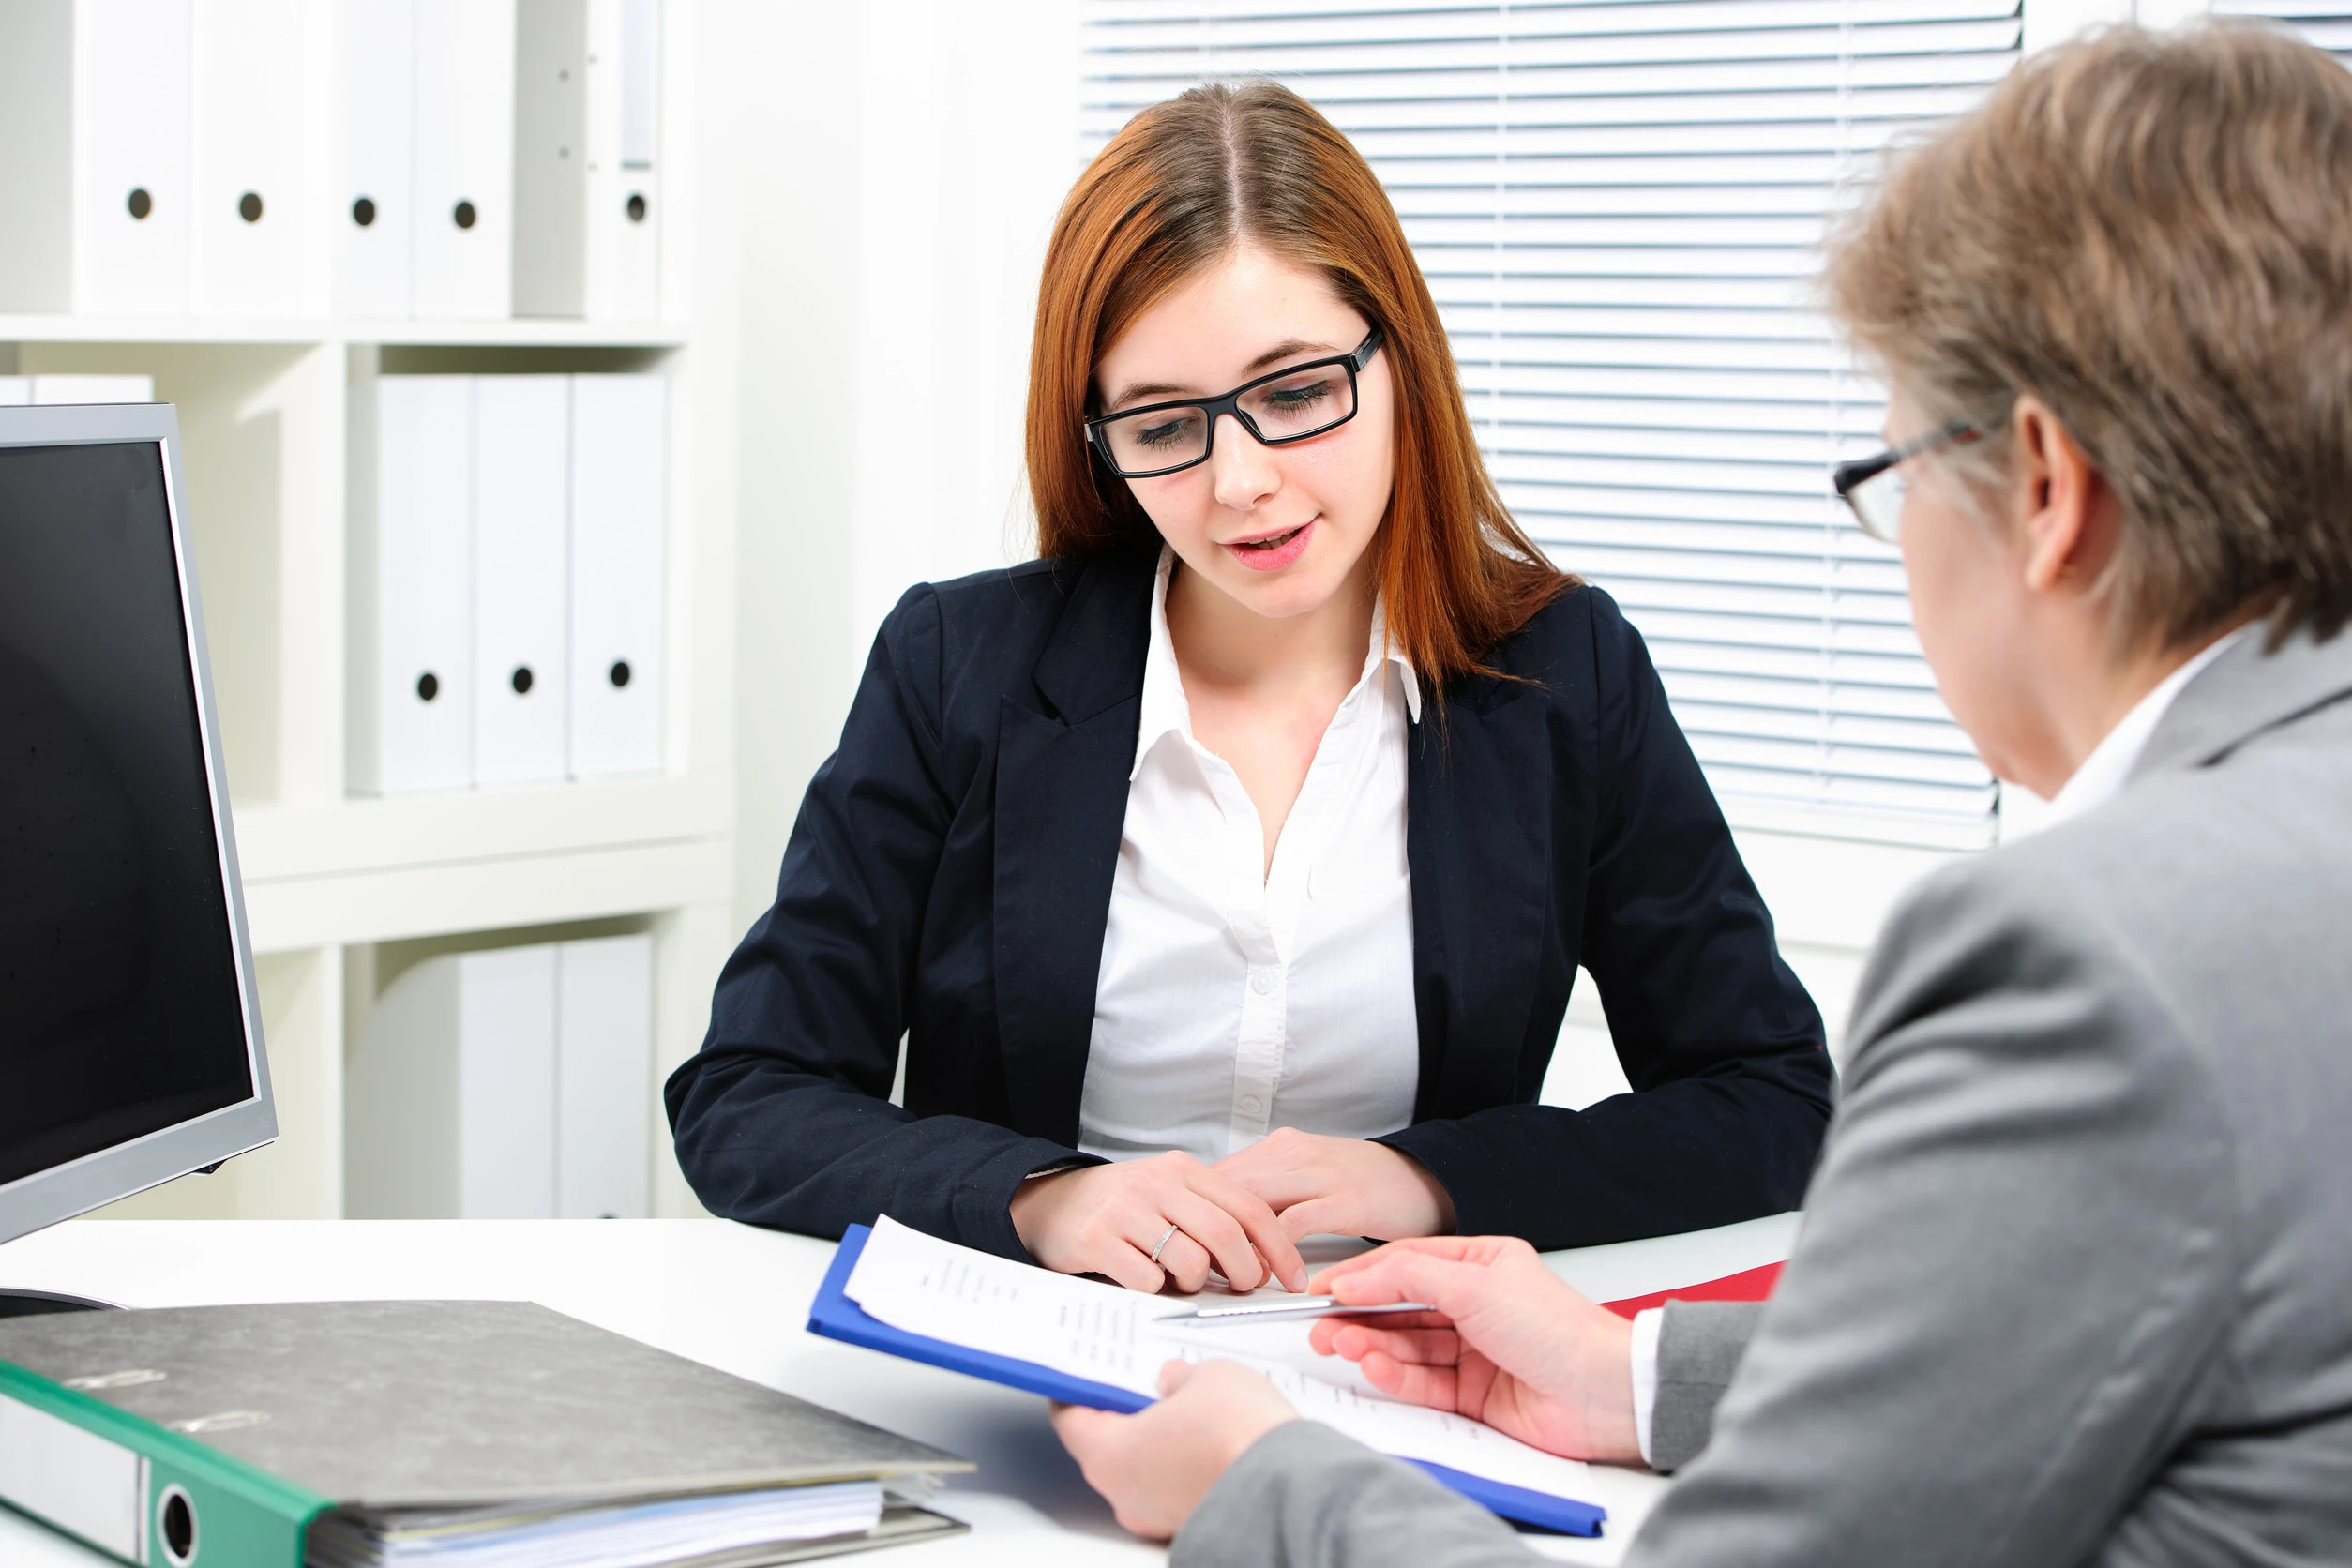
x=2102 y=775
x=1166 y=712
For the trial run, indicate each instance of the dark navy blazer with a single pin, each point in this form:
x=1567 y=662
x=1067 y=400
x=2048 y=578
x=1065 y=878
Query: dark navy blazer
x=949 y=880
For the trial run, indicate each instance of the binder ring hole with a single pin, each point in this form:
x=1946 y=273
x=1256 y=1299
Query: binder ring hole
x=140 y=203
x=619 y=672
x=637 y=207
x=175 y=1521
x=428 y=687
x=250 y=206
x=363 y=212
x=462 y=214
x=520 y=680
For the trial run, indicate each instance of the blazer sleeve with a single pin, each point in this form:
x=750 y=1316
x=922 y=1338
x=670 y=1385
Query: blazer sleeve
x=783 y=1117
x=1302 y=1496
x=1700 y=1345
x=1722 y=1046
x=2012 y=1302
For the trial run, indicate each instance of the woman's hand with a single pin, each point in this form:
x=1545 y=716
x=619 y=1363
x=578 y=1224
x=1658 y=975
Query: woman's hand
x=1510 y=1344
x=1156 y=1467
x=1340 y=1186
x=1106 y=1219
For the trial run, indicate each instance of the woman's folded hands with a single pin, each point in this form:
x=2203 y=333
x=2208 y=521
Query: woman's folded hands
x=1164 y=1221
x=1340 y=1186
x=1155 y=1222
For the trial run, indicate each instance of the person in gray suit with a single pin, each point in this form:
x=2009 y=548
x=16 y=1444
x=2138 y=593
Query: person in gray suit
x=2074 y=1280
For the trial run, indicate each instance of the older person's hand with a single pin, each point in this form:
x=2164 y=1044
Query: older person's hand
x=1156 y=1466
x=1510 y=1344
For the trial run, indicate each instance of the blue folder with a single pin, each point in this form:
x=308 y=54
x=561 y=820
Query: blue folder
x=835 y=1317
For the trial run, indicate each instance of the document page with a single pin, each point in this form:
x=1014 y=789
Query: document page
x=1107 y=1334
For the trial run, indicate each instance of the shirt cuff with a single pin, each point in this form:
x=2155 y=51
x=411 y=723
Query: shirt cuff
x=1644 y=1359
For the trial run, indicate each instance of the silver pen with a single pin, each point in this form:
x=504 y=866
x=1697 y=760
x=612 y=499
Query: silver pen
x=1276 y=1308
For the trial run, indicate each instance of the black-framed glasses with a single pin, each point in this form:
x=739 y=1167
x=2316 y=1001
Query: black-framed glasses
x=1277 y=409
x=1874 y=488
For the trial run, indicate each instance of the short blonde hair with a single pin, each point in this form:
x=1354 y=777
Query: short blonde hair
x=2153 y=235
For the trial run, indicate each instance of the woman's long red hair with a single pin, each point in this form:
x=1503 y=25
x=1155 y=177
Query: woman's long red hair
x=1177 y=190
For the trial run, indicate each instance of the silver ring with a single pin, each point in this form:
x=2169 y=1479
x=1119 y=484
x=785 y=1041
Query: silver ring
x=1164 y=1241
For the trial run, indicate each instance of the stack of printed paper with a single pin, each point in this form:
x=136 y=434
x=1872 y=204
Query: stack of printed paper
x=1107 y=1336
x=715 y=1528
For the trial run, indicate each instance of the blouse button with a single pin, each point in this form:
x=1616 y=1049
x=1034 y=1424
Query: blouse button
x=1261 y=982
x=1251 y=1104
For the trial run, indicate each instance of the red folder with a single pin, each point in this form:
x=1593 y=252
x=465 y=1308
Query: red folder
x=1754 y=1285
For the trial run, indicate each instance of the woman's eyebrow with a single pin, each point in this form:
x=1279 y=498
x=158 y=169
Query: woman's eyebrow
x=1283 y=350
x=1137 y=391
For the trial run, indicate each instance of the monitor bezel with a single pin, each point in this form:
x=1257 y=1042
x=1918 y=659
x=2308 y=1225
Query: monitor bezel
x=106 y=1175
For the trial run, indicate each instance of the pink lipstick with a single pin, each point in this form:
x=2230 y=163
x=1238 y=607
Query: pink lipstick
x=1270 y=553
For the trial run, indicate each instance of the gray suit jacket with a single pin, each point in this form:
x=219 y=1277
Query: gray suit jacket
x=2075 y=1279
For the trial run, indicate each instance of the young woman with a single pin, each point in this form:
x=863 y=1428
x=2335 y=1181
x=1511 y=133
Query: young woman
x=1224 y=872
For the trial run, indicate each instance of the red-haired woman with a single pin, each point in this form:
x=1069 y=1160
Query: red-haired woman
x=1226 y=870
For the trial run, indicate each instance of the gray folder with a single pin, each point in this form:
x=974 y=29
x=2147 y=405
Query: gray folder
x=394 y=1405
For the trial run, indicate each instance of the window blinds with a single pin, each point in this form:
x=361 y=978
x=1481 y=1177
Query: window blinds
x=2330 y=26
x=1618 y=207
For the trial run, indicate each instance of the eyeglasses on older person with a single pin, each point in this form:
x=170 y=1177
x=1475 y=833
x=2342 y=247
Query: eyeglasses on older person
x=1874 y=488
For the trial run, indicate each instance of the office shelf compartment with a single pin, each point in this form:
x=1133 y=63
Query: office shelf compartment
x=333 y=878
x=518 y=332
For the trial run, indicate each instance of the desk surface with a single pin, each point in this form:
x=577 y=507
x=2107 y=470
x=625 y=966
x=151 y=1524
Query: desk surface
x=736 y=1297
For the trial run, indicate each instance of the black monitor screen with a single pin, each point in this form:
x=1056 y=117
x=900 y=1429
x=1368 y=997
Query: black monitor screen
x=119 y=1001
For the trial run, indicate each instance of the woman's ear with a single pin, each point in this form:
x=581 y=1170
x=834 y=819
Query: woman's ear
x=2067 y=512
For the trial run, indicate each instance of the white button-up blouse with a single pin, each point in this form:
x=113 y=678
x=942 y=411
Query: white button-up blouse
x=1234 y=999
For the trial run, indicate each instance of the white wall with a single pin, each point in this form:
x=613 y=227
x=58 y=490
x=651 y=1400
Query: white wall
x=967 y=142
x=2169 y=13
x=910 y=159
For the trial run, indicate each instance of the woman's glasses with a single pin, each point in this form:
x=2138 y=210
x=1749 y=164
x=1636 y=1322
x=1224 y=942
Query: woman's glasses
x=1288 y=405
x=1875 y=487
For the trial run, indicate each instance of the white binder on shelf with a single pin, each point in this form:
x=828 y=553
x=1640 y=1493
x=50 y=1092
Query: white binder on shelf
x=90 y=389
x=132 y=207
x=551 y=156
x=37 y=175
x=620 y=488
x=587 y=199
x=624 y=211
x=464 y=168
x=412 y=584
x=246 y=101
x=450 y=1091
x=93 y=166
x=604 y=1071
x=522 y=477
x=15 y=391
x=375 y=208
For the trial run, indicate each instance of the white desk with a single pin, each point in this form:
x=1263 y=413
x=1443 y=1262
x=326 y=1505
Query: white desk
x=736 y=1297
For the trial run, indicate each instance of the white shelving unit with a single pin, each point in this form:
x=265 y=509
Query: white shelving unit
x=518 y=332
x=342 y=892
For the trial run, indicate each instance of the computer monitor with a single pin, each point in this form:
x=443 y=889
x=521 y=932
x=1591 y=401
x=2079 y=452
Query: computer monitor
x=130 y=1034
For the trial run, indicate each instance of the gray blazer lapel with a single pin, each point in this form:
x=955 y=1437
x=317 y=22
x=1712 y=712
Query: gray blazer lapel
x=2245 y=692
